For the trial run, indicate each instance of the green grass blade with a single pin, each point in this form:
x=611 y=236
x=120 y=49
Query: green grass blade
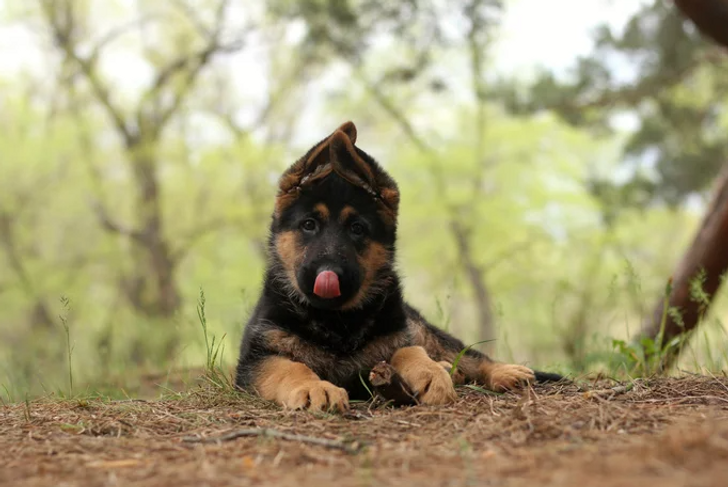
x=462 y=353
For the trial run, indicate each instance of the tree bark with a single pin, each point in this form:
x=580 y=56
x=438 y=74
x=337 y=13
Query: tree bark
x=707 y=259
x=710 y=16
x=474 y=274
x=159 y=296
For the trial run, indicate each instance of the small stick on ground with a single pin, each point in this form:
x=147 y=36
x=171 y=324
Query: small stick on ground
x=351 y=448
x=608 y=393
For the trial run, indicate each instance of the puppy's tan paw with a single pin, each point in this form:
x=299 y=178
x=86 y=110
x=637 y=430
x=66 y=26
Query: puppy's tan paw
x=458 y=378
x=318 y=395
x=434 y=386
x=429 y=380
x=504 y=377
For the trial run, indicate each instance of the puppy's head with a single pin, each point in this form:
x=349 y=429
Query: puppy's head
x=334 y=225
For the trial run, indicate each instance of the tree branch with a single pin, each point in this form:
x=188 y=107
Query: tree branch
x=271 y=433
x=117 y=32
x=64 y=38
x=196 y=63
x=110 y=225
x=197 y=234
x=188 y=66
x=631 y=95
x=506 y=254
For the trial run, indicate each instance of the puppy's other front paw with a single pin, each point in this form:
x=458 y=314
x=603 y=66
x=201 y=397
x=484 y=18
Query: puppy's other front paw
x=505 y=377
x=429 y=380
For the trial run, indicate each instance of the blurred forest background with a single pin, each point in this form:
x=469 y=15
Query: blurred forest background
x=545 y=204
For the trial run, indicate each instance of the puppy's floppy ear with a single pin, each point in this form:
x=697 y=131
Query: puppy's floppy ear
x=313 y=165
x=347 y=163
x=350 y=165
x=338 y=153
x=349 y=129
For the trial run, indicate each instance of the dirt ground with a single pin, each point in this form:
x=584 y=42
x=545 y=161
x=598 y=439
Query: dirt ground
x=670 y=432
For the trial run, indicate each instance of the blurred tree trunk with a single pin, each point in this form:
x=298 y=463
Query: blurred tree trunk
x=705 y=262
x=476 y=278
x=153 y=290
x=709 y=15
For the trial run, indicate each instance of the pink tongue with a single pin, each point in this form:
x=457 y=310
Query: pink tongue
x=327 y=285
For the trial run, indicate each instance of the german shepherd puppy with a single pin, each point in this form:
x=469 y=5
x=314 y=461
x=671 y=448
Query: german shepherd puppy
x=332 y=307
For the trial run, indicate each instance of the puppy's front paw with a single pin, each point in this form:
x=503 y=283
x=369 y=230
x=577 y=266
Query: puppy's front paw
x=318 y=395
x=430 y=382
x=434 y=386
x=504 y=377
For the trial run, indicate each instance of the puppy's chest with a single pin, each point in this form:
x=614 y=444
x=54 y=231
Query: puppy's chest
x=337 y=359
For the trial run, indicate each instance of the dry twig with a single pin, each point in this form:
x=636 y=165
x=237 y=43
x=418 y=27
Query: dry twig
x=350 y=448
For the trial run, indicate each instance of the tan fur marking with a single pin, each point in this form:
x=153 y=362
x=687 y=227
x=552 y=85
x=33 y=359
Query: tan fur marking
x=374 y=258
x=323 y=211
x=423 y=338
x=295 y=386
x=426 y=378
x=290 y=251
x=347 y=213
x=503 y=377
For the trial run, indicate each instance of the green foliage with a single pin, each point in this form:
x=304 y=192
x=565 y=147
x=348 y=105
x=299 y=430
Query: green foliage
x=567 y=255
x=69 y=348
x=214 y=365
x=675 y=91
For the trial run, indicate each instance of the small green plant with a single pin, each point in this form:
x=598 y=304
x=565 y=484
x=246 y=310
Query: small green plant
x=66 y=303
x=364 y=383
x=214 y=352
x=481 y=390
x=443 y=316
x=649 y=356
x=26 y=410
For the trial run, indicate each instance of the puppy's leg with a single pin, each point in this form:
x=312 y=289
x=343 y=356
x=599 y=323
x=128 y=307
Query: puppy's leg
x=428 y=379
x=473 y=365
x=293 y=385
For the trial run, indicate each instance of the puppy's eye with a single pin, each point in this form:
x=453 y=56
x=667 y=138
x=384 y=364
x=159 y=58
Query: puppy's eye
x=309 y=225
x=357 y=228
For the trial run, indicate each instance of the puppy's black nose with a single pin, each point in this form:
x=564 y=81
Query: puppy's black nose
x=333 y=268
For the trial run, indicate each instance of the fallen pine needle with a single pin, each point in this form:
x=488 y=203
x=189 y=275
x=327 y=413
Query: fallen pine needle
x=271 y=433
x=114 y=463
